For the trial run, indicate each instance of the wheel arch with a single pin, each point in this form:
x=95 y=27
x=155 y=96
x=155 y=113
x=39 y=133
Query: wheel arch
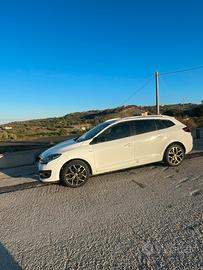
x=175 y=142
x=78 y=159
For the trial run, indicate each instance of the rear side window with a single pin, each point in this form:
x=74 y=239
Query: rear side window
x=119 y=131
x=161 y=124
x=144 y=126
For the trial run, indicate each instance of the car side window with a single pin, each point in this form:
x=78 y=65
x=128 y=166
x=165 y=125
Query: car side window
x=118 y=131
x=144 y=126
x=161 y=124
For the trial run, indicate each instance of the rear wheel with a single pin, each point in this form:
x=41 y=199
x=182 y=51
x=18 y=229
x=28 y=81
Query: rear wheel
x=174 y=154
x=75 y=173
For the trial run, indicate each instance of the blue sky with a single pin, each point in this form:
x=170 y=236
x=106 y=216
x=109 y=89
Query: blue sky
x=61 y=56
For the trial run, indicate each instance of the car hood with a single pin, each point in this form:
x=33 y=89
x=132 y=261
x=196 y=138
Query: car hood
x=61 y=148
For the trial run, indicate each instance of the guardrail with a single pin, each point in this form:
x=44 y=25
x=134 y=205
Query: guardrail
x=197 y=133
x=19 y=158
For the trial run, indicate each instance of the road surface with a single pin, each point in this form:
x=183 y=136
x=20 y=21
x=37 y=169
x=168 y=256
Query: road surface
x=144 y=218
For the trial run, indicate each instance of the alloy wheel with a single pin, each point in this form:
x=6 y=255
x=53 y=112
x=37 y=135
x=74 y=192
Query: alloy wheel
x=175 y=155
x=76 y=175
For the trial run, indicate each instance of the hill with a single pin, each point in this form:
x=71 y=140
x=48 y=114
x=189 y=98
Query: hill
x=78 y=122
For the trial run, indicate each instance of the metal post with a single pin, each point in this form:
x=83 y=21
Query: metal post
x=157 y=92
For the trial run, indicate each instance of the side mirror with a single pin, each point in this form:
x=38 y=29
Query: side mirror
x=94 y=141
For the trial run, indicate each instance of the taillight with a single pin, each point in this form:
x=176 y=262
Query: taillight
x=187 y=129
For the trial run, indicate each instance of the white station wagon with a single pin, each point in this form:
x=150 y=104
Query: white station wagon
x=114 y=145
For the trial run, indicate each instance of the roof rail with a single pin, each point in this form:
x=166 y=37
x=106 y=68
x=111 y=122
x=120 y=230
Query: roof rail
x=138 y=117
x=113 y=119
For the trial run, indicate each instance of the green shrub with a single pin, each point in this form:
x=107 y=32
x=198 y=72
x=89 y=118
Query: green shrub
x=3 y=135
x=12 y=136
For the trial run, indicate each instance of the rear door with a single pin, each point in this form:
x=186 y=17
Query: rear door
x=147 y=141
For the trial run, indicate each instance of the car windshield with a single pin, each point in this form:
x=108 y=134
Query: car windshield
x=93 y=132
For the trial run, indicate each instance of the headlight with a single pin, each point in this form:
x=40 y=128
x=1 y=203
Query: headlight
x=49 y=158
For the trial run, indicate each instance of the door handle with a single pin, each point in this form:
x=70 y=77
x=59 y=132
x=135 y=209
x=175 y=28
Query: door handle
x=127 y=144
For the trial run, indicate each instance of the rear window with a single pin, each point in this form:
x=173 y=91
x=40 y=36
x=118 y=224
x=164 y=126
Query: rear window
x=161 y=124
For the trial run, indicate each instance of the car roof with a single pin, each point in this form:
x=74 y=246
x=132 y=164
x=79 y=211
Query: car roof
x=141 y=117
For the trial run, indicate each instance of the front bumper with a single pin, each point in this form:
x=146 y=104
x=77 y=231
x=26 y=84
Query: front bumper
x=45 y=174
x=49 y=172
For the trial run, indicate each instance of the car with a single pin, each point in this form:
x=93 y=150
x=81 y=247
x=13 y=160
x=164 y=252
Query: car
x=116 y=144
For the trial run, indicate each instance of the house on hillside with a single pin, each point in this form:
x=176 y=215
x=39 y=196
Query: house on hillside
x=7 y=128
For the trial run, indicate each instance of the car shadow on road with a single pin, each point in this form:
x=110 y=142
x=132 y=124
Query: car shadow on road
x=7 y=261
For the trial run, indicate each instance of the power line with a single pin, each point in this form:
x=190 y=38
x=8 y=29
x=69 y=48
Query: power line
x=137 y=91
x=160 y=74
x=181 y=70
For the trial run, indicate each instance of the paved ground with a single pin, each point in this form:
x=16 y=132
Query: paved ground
x=145 y=218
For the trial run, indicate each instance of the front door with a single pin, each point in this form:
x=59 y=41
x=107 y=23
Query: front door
x=114 y=148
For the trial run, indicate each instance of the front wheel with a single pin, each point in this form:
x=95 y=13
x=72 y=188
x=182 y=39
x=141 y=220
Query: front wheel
x=174 y=155
x=75 y=173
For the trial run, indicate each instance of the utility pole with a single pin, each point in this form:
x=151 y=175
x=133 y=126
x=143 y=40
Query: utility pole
x=157 y=92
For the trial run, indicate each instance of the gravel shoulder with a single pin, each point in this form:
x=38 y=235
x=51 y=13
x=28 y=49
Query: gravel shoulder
x=144 y=218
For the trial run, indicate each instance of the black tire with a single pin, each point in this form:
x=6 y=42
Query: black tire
x=174 y=155
x=75 y=173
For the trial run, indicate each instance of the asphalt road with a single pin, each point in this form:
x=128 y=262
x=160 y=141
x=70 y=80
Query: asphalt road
x=144 y=218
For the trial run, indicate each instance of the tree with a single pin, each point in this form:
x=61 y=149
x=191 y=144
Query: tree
x=3 y=135
x=62 y=132
x=12 y=136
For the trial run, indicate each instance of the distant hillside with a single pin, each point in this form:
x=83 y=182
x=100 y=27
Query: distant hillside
x=78 y=122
